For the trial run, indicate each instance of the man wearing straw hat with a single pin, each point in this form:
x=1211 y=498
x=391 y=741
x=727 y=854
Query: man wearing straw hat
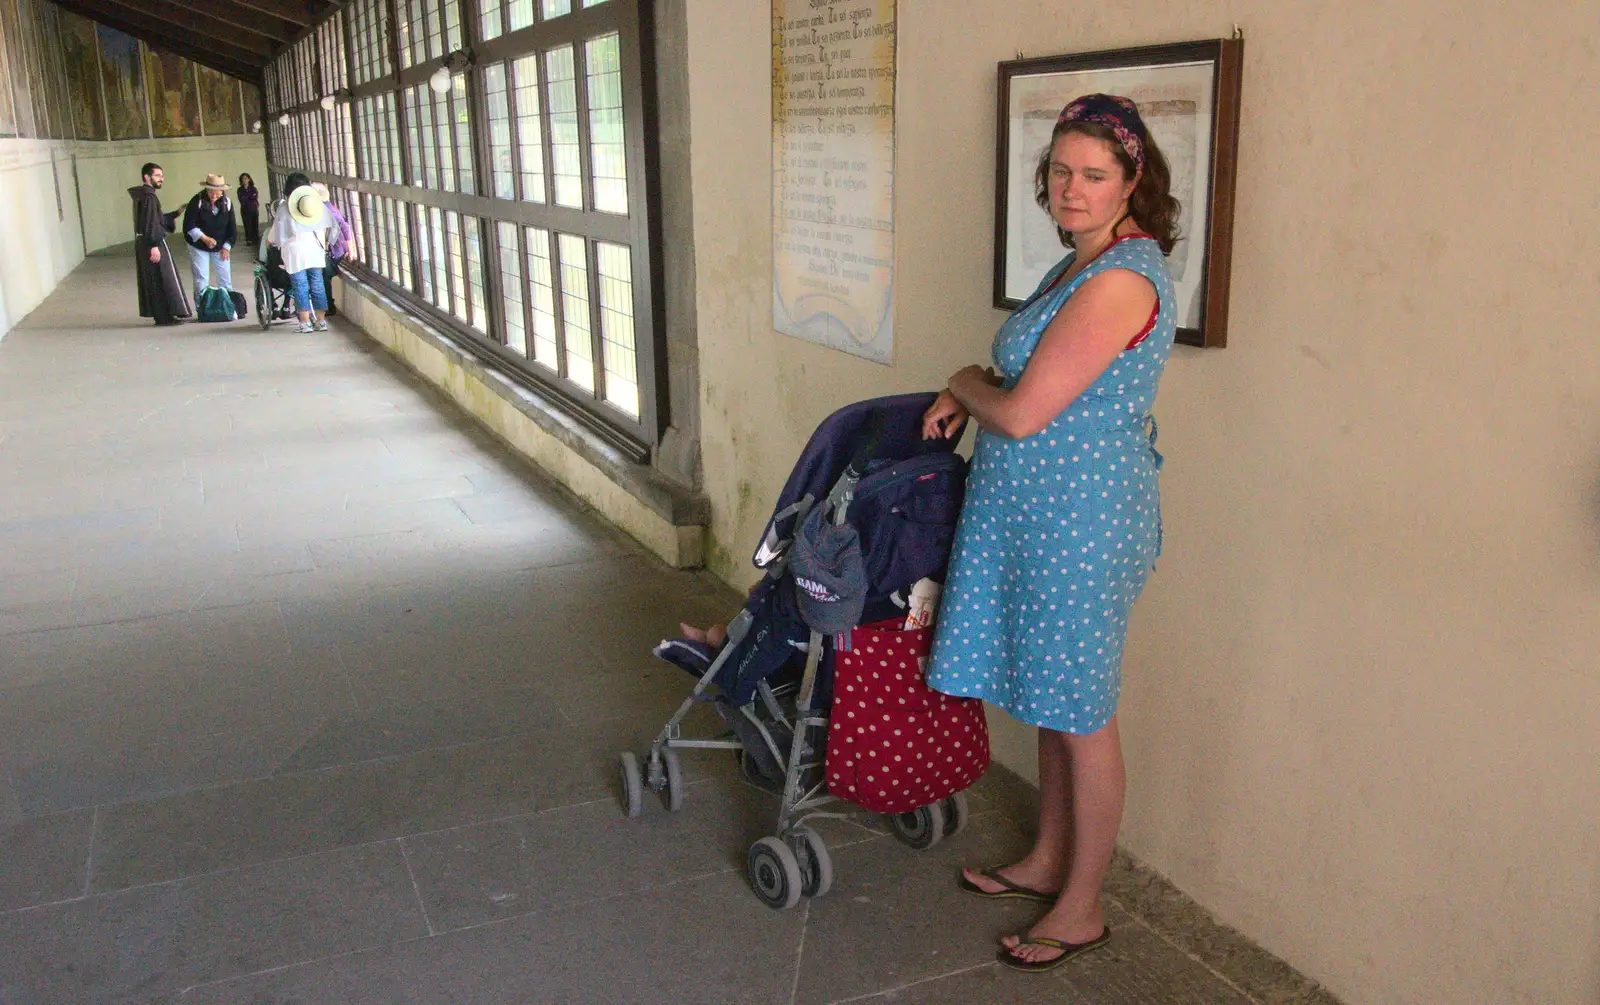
x=209 y=227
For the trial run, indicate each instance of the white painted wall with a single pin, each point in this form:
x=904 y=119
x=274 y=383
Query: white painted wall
x=38 y=246
x=107 y=170
x=1362 y=710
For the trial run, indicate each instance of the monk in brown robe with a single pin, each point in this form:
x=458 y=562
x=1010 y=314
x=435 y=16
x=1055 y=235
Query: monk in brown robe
x=161 y=293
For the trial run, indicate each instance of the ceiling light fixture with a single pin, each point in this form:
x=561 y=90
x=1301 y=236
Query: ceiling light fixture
x=457 y=62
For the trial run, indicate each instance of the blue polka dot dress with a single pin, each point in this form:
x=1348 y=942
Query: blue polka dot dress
x=1059 y=529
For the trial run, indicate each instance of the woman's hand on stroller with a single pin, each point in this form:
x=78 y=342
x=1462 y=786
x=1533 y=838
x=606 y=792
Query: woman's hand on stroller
x=944 y=418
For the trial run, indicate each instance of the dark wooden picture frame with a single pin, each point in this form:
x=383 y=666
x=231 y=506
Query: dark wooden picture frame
x=1189 y=93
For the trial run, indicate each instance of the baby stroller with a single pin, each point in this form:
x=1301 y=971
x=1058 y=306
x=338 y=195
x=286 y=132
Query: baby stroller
x=274 y=302
x=869 y=510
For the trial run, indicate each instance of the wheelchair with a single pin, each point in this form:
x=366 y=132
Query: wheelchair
x=274 y=301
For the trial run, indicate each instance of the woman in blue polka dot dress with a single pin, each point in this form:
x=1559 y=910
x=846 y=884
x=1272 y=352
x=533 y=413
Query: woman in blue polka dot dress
x=1062 y=519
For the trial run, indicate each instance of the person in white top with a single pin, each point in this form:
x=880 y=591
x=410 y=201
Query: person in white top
x=301 y=229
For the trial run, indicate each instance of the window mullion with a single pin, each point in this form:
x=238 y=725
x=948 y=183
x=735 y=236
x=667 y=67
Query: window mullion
x=580 y=90
x=530 y=349
x=350 y=71
x=597 y=342
x=375 y=146
x=450 y=277
x=402 y=123
x=514 y=128
x=558 y=300
x=477 y=127
x=547 y=135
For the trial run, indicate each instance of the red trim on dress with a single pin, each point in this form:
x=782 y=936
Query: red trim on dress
x=1155 y=312
x=1150 y=325
x=1135 y=236
x=1057 y=280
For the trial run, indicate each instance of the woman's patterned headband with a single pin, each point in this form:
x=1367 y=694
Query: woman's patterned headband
x=1116 y=113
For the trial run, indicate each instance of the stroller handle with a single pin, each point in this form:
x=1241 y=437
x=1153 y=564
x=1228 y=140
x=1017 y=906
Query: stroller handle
x=871 y=440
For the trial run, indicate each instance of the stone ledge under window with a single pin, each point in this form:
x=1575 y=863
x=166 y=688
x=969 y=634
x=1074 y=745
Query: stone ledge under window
x=665 y=517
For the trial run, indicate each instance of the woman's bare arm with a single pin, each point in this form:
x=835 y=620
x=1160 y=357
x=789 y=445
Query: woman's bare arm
x=1103 y=316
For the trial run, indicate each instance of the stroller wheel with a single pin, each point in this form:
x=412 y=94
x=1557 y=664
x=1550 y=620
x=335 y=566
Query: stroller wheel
x=632 y=784
x=816 y=865
x=774 y=873
x=674 y=779
x=263 y=303
x=921 y=828
x=956 y=814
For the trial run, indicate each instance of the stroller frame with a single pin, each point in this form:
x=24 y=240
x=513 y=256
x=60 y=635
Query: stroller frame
x=795 y=861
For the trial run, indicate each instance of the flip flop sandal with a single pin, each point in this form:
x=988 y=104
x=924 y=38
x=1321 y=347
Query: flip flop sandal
x=1005 y=957
x=1009 y=891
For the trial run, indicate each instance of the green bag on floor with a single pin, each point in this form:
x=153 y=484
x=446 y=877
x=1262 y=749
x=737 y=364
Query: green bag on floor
x=215 y=305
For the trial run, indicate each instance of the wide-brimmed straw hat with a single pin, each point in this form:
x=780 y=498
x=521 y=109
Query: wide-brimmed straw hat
x=305 y=205
x=215 y=181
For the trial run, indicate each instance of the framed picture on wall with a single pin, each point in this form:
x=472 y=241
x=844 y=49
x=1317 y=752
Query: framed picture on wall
x=1188 y=95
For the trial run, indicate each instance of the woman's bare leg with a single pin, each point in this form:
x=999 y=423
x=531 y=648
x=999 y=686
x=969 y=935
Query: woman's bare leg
x=1045 y=866
x=1099 y=782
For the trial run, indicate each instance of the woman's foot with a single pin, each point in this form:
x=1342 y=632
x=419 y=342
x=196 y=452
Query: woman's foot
x=1067 y=925
x=1022 y=874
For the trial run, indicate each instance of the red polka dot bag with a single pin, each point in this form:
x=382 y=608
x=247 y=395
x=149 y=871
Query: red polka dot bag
x=894 y=743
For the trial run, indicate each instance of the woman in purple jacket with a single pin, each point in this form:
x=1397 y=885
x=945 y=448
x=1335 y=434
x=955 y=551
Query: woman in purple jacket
x=341 y=247
x=250 y=209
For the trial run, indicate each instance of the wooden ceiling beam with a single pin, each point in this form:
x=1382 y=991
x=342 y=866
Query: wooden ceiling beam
x=198 y=29
x=249 y=71
x=166 y=34
x=229 y=14
x=301 y=12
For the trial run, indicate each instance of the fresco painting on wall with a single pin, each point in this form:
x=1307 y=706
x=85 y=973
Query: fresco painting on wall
x=46 y=124
x=123 y=74
x=219 y=100
x=83 y=77
x=49 y=26
x=16 y=58
x=65 y=77
x=252 y=106
x=8 y=123
x=174 y=99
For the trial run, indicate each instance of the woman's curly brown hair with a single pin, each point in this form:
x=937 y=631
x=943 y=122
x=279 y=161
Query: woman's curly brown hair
x=1151 y=205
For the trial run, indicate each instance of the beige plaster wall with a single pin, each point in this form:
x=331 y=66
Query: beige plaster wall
x=1363 y=688
x=107 y=170
x=38 y=245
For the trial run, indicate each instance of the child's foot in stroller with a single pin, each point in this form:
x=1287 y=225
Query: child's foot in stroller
x=713 y=636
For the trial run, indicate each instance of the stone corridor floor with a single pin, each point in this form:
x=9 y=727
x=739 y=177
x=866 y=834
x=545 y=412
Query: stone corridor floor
x=310 y=693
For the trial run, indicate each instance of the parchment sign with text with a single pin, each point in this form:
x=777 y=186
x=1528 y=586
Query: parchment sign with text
x=833 y=75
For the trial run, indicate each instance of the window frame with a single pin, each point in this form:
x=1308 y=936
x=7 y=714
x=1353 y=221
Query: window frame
x=637 y=230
